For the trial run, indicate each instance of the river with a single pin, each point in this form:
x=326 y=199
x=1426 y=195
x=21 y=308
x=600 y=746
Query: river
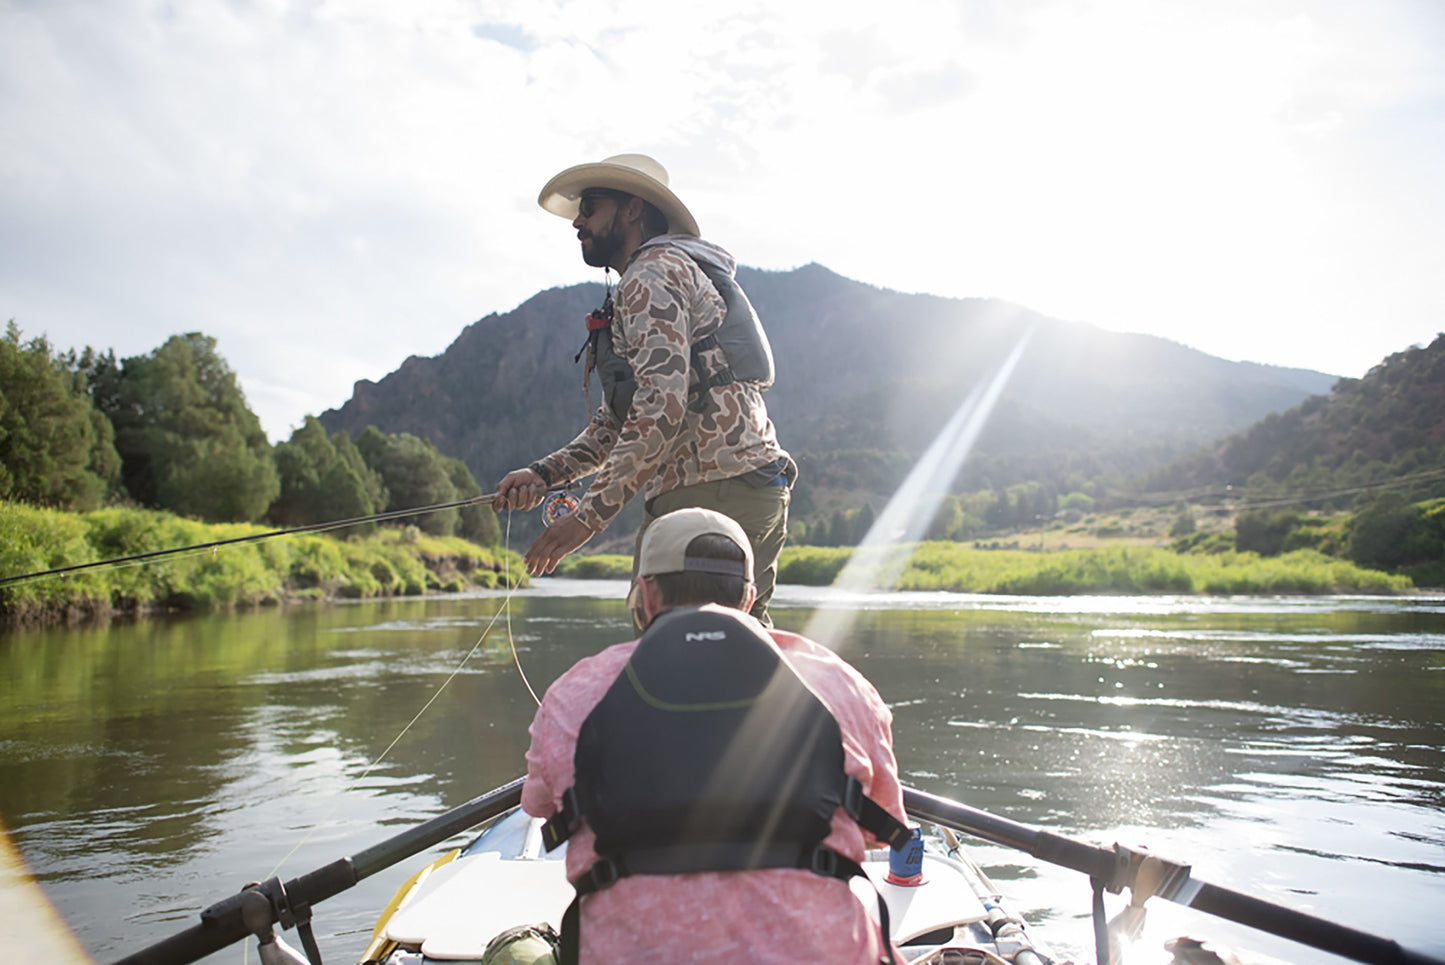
x=1290 y=748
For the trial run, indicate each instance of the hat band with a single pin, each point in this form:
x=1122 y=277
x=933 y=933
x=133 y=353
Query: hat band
x=702 y=564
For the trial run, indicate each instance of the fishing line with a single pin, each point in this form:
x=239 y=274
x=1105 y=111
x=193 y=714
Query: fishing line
x=550 y=510
x=506 y=605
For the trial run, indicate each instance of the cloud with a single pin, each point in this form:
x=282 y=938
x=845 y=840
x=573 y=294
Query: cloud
x=330 y=188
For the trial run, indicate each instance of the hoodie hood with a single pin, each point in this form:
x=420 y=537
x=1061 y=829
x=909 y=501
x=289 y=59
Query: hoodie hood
x=703 y=251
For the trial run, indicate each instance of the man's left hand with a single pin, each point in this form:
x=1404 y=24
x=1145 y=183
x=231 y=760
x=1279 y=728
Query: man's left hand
x=559 y=539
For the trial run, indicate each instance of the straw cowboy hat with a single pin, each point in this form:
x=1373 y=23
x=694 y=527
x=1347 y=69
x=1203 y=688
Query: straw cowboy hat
x=635 y=174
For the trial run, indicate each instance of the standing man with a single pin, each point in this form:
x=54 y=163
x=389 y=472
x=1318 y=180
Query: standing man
x=683 y=363
x=698 y=775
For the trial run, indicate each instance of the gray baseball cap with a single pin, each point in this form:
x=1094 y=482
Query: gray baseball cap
x=665 y=542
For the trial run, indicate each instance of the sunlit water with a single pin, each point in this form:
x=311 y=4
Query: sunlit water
x=1288 y=748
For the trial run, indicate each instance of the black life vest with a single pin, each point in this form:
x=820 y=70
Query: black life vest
x=708 y=753
x=747 y=355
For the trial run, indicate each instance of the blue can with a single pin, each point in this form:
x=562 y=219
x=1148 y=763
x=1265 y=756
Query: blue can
x=906 y=863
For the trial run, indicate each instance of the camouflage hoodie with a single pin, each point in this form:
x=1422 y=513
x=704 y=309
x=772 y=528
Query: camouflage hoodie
x=664 y=303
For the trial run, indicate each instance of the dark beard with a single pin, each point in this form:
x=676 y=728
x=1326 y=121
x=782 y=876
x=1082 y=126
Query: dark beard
x=604 y=247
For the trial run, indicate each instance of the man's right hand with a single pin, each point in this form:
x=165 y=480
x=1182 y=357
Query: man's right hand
x=520 y=489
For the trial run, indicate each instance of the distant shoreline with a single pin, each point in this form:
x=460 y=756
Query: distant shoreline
x=962 y=568
x=289 y=569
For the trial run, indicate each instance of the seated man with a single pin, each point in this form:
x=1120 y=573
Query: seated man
x=708 y=775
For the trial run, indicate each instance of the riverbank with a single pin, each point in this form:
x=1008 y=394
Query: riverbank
x=300 y=567
x=962 y=568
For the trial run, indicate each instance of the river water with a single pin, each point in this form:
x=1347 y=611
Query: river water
x=1293 y=749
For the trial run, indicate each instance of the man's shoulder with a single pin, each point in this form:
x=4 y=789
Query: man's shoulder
x=590 y=673
x=810 y=657
x=664 y=262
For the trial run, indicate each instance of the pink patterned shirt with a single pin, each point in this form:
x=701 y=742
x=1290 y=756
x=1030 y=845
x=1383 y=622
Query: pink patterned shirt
x=780 y=915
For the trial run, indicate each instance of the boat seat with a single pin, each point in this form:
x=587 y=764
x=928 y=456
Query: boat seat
x=450 y=924
x=944 y=901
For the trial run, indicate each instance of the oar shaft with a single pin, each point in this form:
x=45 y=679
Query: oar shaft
x=222 y=924
x=1306 y=929
x=1044 y=845
x=437 y=830
x=1113 y=867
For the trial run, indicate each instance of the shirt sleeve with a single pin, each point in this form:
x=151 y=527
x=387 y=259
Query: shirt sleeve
x=654 y=314
x=584 y=454
x=558 y=720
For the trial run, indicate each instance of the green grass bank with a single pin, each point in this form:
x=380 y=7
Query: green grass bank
x=1118 y=569
x=963 y=568
x=305 y=566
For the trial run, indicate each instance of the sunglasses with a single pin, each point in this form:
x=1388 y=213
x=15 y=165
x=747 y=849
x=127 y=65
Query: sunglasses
x=587 y=206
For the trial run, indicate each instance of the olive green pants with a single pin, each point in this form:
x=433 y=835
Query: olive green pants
x=762 y=512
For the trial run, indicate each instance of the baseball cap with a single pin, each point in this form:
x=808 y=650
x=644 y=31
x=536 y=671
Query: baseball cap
x=665 y=542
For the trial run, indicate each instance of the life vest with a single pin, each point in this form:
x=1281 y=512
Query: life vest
x=747 y=355
x=708 y=753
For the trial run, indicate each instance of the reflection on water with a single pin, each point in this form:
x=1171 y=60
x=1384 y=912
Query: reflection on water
x=1293 y=749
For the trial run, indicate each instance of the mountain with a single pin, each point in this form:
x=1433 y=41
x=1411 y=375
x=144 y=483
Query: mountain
x=866 y=378
x=1385 y=431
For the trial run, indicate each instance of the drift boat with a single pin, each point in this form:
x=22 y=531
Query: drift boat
x=454 y=907
x=942 y=907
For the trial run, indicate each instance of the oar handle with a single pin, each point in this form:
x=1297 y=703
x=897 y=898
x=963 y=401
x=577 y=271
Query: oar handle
x=225 y=922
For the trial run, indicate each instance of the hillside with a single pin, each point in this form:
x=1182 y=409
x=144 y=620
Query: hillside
x=866 y=377
x=1382 y=432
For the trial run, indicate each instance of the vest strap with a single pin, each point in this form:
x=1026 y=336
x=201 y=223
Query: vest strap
x=562 y=825
x=570 y=937
x=872 y=816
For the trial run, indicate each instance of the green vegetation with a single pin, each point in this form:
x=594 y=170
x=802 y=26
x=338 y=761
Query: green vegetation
x=172 y=431
x=187 y=440
x=599 y=566
x=167 y=444
x=393 y=561
x=940 y=565
x=55 y=448
x=169 y=434
x=323 y=478
x=1367 y=437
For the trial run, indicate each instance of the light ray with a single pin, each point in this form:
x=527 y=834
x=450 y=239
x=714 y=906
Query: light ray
x=885 y=551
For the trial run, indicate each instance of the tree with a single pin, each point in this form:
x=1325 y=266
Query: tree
x=1263 y=532
x=323 y=479
x=1184 y=523
x=415 y=474
x=55 y=448
x=188 y=441
x=1380 y=536
x=476 y=522
x=947 y=521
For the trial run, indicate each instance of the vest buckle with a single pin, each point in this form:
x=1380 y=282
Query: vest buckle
x=604 y=874
x=823 y=861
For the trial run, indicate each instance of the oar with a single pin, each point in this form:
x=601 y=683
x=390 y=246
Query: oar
x=290 y=904
x=1121 y=867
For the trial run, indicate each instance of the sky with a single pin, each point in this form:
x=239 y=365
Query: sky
x=330 y=187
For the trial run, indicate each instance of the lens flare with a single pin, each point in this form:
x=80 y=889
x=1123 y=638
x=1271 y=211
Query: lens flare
x=885 y=551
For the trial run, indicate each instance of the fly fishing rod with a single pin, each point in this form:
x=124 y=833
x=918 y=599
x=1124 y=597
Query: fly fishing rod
x=1147 y=875
x=557 y=503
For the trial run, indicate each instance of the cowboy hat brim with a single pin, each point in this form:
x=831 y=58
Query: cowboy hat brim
x=624 y=173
